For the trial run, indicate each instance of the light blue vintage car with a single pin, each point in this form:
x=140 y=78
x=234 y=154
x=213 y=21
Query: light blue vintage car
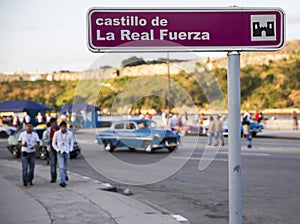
x=136 y=134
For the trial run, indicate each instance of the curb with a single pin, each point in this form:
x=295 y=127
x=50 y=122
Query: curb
x=111 y=188
x=278 y=137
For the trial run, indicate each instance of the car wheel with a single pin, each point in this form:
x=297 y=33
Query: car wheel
x=15 y=152
x=3 y=134
x=171 y=149
x=74 y=155
x=43 y=153
x=148 y=147
x=108 y=146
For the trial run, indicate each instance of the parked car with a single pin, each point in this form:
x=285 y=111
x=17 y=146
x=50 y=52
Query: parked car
x=137 y=133
x=6 y=131
x=41 y=152
x=255 y=127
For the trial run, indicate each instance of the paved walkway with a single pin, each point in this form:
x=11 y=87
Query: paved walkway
x=82 y=201
x=280 y=134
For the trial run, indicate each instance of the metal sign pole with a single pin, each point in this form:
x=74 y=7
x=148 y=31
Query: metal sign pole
x=234 y=139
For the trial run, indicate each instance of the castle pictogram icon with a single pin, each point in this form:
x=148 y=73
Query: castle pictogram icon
x=258 y=30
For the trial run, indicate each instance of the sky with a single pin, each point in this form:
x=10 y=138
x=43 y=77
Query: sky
x=45 y=36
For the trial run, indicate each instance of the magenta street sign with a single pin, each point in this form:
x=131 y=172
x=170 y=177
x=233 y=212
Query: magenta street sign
x=204 y=29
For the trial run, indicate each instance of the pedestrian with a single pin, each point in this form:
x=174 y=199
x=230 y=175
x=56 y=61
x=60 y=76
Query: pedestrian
x=257 y=116
x=219 y=131
x=46 y=143
x=180 y=122
x=173 y=123
x=26 y=119
x=16 y=122
x=211 y=130
x=295 y=120
x=29 y=141
x=202 y=118
x=47 y=139
x=63 y=144
x=164 y=119
x=39 y=118
x=48 y=117
x=246 y=129
x=261 y=117
x=196 y=119
x=148 y=116
x=186 y=117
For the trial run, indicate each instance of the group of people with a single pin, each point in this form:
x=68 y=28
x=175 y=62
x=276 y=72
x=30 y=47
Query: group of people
x=174 y=122
x=215 y=131
x=15 y=121
x=59 y=141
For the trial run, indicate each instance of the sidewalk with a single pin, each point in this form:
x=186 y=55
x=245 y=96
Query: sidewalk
x=82 y=201
x=281 y=134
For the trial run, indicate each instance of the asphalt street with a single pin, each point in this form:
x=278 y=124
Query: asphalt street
x=270 y=172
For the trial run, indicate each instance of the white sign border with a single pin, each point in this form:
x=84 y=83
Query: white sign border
x=261 y=48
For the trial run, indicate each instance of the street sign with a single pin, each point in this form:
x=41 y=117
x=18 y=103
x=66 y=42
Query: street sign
x=188 y=29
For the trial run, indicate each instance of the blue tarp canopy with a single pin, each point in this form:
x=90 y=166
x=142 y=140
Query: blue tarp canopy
x=83 y=115
x=22 y=106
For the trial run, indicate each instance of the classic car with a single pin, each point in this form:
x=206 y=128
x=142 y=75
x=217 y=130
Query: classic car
x=255 y=127
x=41 y=152
x=137 y=133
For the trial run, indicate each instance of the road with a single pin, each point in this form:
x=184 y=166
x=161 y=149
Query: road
x=270 y=172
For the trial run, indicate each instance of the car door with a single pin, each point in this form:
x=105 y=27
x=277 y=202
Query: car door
x=118 y=130
x=130 y=137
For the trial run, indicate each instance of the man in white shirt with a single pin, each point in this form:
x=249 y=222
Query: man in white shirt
x=63 y=144
x=29 y=141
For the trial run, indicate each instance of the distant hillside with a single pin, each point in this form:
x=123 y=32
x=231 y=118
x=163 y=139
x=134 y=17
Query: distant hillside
x=290 y=51
x=268 y=80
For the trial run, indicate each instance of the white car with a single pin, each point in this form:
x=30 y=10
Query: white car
x=6 y=131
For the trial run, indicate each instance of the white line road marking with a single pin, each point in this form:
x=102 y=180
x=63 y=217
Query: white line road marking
x=85 y=177
x=249 y=154
x=199 y=158
x=220 y=159
x=179 y=218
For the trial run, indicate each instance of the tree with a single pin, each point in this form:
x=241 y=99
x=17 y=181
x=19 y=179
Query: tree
x=132 y=61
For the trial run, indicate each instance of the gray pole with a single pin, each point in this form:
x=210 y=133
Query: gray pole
x=234 y=139
x=168 y=64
